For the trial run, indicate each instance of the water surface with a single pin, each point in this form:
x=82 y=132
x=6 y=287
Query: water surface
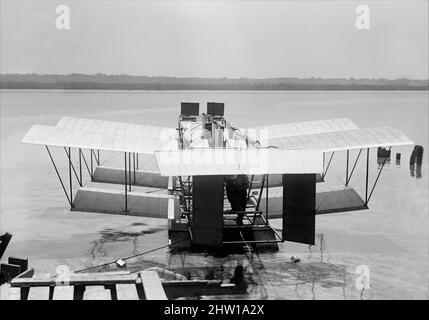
x=391 y=238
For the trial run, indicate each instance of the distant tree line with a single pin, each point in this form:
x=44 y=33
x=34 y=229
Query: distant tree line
x=127 y=82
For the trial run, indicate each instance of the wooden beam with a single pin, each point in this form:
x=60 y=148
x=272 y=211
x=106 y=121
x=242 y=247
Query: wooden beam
x=77 y=279
x=8 y=293
x=39 y=293
x=4 y=241
x=127 y=292
x=96 y=293
x=152 y=286
x=62 y=293
x=78 y=292
x=194 y=288
x=128 y=286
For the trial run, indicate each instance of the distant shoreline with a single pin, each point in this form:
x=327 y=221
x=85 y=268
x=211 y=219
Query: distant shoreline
x=127 y=82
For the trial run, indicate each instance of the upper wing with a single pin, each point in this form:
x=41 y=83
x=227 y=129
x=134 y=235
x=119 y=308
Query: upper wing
x=104 y=126
x=300 y=128
x=79 y=138
x=345 y=140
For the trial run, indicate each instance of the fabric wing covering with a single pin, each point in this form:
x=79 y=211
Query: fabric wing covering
x=78 y=138
x=297 y=143
x=197 y=162
x=292 y=129
x=345 y=140
x=103 y=126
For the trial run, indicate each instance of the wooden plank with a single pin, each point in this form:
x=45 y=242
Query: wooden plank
x=63 y=293
x=8 y=293
x=24 y=292
x=127 y=292
x=39 y=293
x=195 y=288
x=96 y=293
x=77 y=279
x=152 y=286
x=112 y=273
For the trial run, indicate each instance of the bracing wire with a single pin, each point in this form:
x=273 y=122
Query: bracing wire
x=130 y=257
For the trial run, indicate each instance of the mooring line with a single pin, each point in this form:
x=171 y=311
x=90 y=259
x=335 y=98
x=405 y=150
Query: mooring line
x=130 y=257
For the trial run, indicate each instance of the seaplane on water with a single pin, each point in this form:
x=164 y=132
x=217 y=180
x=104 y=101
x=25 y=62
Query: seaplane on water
x=217 y=185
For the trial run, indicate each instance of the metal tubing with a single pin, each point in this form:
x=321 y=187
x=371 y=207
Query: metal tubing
x=58 y=174
x=354 y=166
x=134 y=167
x=275 y=232
x=366 y=179
x=251 y=241
x=378 y=176
x=97 y=160
x=80 y=166
x=261 y=190
x=86 y=165
x=266 y=202
x=323 y=162
x=129 y=170
x=245 y=226
x=74 y=170
x=92 y=166
x=70 y=179
x=126 y=183
x=347 y=167
x=250 y=186
x=137 y=161
x=329 y=163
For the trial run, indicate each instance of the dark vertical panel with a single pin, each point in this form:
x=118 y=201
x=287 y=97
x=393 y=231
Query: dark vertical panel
x=207 y=194
x=190 y=109
x=299 y=202
x=215 y=108
x=4 y=241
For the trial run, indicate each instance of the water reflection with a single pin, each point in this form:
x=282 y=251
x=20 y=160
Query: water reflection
x=321 y=248
x=415 y=171
x=416 y=160
x=383 y=156
x=398 y=159
x=238 y=279
x=381 y=160
x=383 y=152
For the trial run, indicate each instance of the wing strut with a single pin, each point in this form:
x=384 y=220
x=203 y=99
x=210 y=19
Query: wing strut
x=348 y=177
x=78 y=177
x=329 y=163
x=376 y=179
x=59 y=177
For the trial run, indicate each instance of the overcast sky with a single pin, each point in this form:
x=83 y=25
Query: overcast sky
x=217 y=39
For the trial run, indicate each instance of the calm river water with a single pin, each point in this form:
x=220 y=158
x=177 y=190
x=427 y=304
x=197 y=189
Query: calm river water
x=390 y=239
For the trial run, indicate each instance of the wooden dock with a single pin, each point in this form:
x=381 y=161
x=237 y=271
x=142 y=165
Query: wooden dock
x=122 y=285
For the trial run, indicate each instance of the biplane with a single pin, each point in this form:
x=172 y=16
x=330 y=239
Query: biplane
x=179 y=173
